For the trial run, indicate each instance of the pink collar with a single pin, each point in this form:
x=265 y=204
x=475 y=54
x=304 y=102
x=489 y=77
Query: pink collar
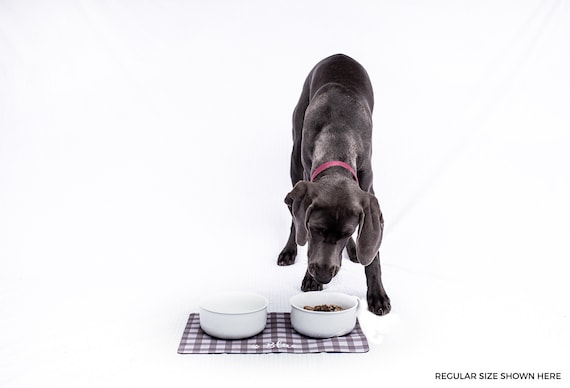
x=333 y=163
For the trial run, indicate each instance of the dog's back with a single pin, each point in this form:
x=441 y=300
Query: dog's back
x=337 y=97
x=342 y=70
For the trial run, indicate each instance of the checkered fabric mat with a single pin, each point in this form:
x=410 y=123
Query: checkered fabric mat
x=277 y=337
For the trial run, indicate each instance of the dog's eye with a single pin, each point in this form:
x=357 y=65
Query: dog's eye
x=318 y=230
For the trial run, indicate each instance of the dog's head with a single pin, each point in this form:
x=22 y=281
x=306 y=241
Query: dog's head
x=326 y=214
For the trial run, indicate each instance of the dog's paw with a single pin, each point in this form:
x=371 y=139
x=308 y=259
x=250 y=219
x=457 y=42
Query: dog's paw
x=379 y=304
x=287 y=256
x=310 y=284
x=351 y=250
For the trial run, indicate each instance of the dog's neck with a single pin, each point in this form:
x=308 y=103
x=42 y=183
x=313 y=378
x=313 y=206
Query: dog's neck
x=333 y=163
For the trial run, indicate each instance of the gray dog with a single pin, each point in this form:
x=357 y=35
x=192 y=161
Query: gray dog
x=331 y=174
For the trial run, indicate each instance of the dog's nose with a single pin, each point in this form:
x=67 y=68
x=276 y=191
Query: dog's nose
x=323 y=273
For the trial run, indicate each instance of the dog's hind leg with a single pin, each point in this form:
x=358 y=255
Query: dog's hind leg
x=289 y=252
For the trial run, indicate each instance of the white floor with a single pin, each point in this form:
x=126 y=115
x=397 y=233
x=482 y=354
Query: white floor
x=144 y=160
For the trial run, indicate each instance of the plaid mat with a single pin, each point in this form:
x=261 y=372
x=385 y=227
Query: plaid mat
x=277 y=337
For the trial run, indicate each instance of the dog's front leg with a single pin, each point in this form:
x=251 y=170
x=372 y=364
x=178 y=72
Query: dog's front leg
x=310 y=284
x=351 y=250
x=378 y=301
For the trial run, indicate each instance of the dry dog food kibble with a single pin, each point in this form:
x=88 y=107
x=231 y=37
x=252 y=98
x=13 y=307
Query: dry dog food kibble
x=324 y=307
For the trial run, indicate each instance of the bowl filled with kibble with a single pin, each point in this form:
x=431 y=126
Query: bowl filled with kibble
x=323 y=314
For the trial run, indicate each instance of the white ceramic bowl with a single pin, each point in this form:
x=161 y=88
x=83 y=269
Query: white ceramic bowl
x=233 y=315
x=324 y=324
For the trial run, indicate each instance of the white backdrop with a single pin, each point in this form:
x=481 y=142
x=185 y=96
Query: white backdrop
x=144 y=158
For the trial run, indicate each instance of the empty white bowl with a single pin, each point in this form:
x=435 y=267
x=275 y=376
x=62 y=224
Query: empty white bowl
x=233 y=315
x=324 y=324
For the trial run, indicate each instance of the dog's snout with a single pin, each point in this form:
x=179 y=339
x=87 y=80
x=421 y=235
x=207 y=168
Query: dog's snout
x=323 y=273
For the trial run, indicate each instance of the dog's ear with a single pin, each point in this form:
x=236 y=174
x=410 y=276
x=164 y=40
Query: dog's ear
x=370 y=229
x=299 y=201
